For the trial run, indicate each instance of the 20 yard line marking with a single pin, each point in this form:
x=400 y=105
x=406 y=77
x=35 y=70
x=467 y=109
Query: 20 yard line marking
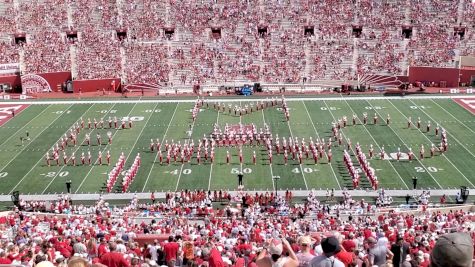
x=163 y=138
x=417 y=158
x=443 y=154
x=211 y=167
x=75 y=150
x=90 y=170
x=318 y=136
x=38 y=162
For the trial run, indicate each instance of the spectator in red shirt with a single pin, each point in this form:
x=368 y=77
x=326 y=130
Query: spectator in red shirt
x=113 y=258
x=171 y=251
x=102 y=249
x=4 y=259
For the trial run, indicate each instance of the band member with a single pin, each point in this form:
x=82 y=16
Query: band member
x=421 y=152
x=89 y=123
x=371 y=151
x=398 y=154
x=382 y=153
x=73 y=159
x=160 y=157
x=89 y=157
x=409 y=122
x=388 y=120
x=99 y=157
x=99 y=139
x=152 y=145
x=108 y=157
x=130 y=123
x=418 y=122
x=329 y=155
x=115 y=122
x=375 y=118
x=228 y=157
x=83 y=158
x=65 y=158
x=286 y=157
x=82 y=123
x=428 y=127
x=110 y=122
x=354 y=119
x=437 y=130
x=95 y=123
x=432 y=150
x=365 y=118
x=410 y=154
x=47 y=158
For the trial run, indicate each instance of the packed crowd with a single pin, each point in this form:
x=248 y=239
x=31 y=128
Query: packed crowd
x=279 y=53
x=252 y=233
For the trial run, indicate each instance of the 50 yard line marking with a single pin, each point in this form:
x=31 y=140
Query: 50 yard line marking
x=318 y=136
x=376 y=143
x=211 y=167
x=41 y=158
x=270 y=165
x=163 y=138
x=94 y=164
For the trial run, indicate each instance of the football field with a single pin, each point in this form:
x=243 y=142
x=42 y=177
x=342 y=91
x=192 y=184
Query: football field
x=23 y=166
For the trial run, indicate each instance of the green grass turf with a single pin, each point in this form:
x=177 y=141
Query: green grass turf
x=23 y=168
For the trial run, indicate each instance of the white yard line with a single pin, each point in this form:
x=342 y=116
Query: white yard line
x=464 y=125
x=443 y=154
x=75 y=150
x=211 y=167
x=94 y=164
x=416 y=157
x=42 y=157
x=14 y=134
x=183 y=165
x=289 y=99
x=270 y=165
x=318 y=136
x=162 y=140
x=379 y=147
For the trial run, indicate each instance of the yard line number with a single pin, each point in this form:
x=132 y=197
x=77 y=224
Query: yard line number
x=237 y=171
x=3 y=174
x=53 y=174
x=305 y=170
x=184 y=171
x=430 y=169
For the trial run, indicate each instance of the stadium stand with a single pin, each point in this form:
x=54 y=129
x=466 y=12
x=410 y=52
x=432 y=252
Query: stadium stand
x=256 y=40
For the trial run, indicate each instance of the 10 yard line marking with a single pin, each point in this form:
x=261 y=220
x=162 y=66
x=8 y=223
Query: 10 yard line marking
x=90 y=170
x=364 y=126
x=19 y=152
x=318 y=136
x=158 y=152
x=211 y=167
x=75 y=150
x=270 y=165
x=41 y=158
x=183 y=165
x=11 y=136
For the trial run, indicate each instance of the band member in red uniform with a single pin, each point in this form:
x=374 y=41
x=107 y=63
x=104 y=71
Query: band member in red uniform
x=409 y=122
x=315 y=158
x=432 y=150
x=152 y=145
x=65 y=158
x=99 y=157
x=382 y=153
x=160 y=157
x=110 y=122
x=410 y=154
x=428 y=127
x=99 y=139
x=89 y=123
x=123 y=124
x=240 y=156
x=329 y=155
x=371 y=151
x=421 y=152
x=388 y=120
x=115 y=122
x=198 y=157
x=89 y=157
x=286 y=157
x=437 y=130
x=375 y=119
x=365 y=118
x=82 y=123
x=108 y=157
x=228 y=157
x=418 y=122
x=398 y=154
x=130 y=123
x=73 y=159
x=83 y=158
x=354 y=119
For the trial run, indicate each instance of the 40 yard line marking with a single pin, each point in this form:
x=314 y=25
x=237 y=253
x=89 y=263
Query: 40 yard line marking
x=183 y=165
x=41 y=158
x=318 y=136
x=163 y=138
x=94 y=164
x=364 y=126
x=211 y=167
